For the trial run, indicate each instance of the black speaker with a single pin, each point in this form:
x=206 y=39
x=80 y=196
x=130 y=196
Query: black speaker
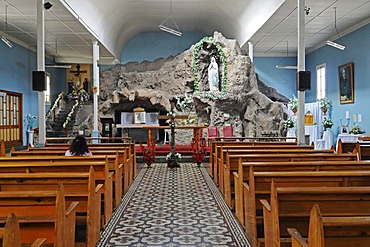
x=303 y=80
x=38 y=80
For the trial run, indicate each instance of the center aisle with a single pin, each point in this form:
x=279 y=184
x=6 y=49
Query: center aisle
x=173 y=207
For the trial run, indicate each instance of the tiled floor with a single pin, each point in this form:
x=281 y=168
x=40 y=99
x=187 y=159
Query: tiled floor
x=173 y=207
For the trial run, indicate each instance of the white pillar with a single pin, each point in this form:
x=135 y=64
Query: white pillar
x=95 y=132
x=41 y=67
x=250 y=50
x=301 y=67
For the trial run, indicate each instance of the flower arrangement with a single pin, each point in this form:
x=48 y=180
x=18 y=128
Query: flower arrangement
x=289 y=123
x=148 y=152
x=293 y=103
x=198 y=151
x=356 y=130
x=325 y=104
x=176 y=157
x=327 y=123
x=29 y=120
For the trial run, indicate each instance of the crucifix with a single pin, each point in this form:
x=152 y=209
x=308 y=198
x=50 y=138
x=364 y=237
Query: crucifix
x=78 y=73
x=171 y=116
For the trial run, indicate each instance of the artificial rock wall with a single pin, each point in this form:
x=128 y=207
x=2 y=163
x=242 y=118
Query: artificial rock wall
x=247 y=104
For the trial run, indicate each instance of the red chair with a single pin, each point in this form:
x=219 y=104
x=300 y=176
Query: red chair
x=228 y=131
x=212 y=133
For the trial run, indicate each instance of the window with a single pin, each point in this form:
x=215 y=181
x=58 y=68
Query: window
x=321 y=81
x=47 y=92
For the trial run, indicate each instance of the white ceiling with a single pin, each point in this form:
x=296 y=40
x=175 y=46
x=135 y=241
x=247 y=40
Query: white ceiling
x=271 y=25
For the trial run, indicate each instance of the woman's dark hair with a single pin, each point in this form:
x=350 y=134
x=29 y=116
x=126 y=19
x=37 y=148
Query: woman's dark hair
x=79 y=146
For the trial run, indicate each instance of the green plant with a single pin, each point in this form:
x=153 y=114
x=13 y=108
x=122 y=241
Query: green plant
x=289 y=123
x=327 y=123
x=325 y=103
x=356 y=130
x=293 y=103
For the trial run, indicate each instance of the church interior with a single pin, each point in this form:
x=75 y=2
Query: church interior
x=209 y=123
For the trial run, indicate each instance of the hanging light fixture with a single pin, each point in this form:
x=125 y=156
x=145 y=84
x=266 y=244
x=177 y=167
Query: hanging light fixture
x=279 y=66
x=167 y=29
x=332 y=43
x=3 y=38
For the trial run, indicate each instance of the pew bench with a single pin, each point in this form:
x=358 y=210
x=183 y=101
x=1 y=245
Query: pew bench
x=243 y=174
x=78 y=187
x=71 y=165
x=10 y=234
x=216 y=145
x=355 y=227
x=221 y=150
x=41 y=214
x=232 y=164
x=259 y=185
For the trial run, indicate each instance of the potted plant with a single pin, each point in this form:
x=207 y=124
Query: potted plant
x=293 y=104
x=356 y=130
x=325 y=104
x=327 y=123
x=289 y=124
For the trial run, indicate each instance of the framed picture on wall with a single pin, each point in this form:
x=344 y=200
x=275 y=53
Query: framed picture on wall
x=346 y=89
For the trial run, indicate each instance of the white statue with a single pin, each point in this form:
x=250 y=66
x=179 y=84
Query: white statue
x=213 y=78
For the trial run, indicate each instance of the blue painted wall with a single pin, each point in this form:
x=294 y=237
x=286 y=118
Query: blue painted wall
x=358 y=52
x=16 y=66
x=283 y=80
x=152 y=45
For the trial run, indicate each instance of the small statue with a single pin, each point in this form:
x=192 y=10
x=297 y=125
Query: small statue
x=213 y=77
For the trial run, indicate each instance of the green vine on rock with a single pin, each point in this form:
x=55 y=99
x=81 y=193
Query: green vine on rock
x=195 y=61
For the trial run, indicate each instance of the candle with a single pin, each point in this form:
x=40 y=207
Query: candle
x=347 y=114
x=354 y=118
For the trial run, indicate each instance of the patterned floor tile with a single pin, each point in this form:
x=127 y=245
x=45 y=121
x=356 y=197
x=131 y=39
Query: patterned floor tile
x=173 y=207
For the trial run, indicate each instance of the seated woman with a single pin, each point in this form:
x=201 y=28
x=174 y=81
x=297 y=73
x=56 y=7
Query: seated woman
x=78 y=147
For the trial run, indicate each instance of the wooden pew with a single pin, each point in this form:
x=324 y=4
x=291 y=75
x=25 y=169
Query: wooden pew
x=292 y=155
x=10 y=235
x=216 y=145
x=345 y=147
x=77 y=187
x=220 y=149
x=112 y=146
x=41 y=214
x=290 y=207
x=68 y=164
x=319 y=226
x=116 y=158
x=243 y=174
x=259 y=185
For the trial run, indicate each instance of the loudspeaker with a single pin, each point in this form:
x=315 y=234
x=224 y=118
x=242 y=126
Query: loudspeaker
x=303 y=80
x=38 y=80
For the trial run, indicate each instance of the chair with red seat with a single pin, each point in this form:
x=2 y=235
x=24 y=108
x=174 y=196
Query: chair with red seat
x=212 y=133
x=228 y=131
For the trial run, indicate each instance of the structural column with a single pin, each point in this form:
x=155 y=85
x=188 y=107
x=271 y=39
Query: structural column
x=41 y=67
x=95 y=132
x=250 y=50
x=301 y=67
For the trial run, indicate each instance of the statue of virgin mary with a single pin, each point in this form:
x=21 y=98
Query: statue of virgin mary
x=213 y=78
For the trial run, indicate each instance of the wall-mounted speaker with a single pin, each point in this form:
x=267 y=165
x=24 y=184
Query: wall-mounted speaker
x=303 y=80
x=38 y=80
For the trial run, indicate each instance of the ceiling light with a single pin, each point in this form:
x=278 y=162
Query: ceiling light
x=286 y=67
x=167 y=29
x=336 y=45
x=58 y=66
x=332 y=43
x=6 y=41
x=3 y=38
x=279 y=66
